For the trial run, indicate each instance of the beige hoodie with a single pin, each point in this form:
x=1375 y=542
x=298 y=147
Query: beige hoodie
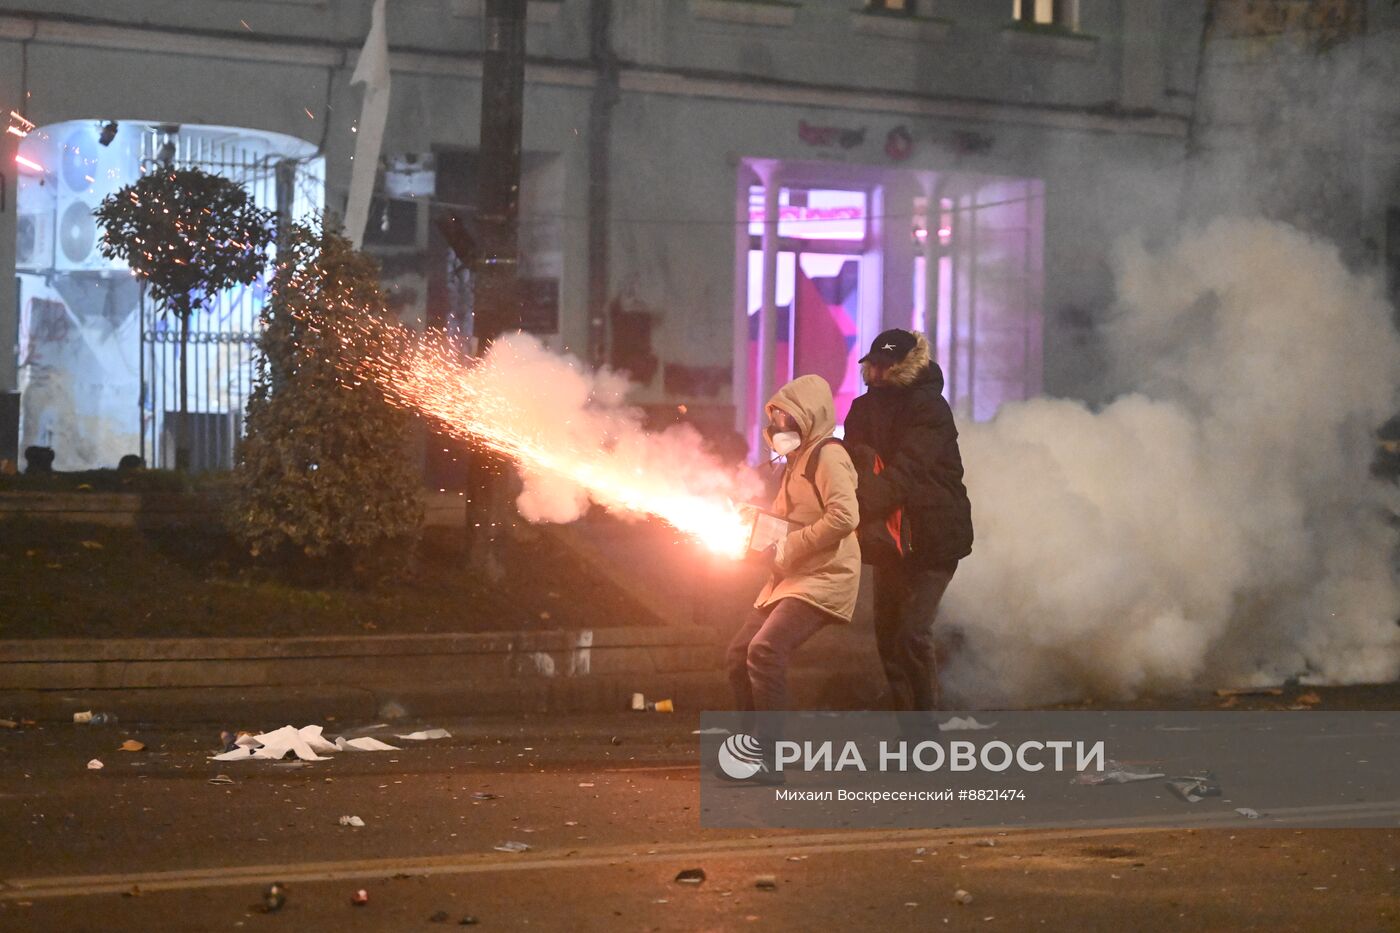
x=821 y=561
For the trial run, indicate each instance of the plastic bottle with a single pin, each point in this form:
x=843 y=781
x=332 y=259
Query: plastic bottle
x=103 y=719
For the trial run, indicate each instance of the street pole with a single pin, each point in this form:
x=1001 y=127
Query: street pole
x=605 y=97
x=495 y=293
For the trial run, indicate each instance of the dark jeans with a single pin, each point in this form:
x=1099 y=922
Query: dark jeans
x=757 y=657
x=906 y=604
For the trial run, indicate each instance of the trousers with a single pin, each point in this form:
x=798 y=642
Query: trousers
x=758 y=655
x=906 y=605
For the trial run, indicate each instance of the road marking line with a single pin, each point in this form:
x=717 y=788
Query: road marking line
x=14 y=889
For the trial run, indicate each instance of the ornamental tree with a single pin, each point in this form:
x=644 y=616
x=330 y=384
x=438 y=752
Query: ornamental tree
x=326 y=469
x=188 y=234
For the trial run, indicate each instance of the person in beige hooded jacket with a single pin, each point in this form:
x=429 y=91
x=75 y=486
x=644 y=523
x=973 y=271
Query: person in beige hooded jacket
x=816 y=568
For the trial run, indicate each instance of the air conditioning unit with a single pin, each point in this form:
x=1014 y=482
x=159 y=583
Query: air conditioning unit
x=34 y=242
x=78 y=237
x=87 y=172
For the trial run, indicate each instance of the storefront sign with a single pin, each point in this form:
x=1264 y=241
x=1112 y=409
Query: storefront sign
x=829 y=136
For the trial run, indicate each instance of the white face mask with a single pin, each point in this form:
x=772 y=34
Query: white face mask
x=785 y=442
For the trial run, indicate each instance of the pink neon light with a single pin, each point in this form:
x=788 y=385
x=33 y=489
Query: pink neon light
x=28 y=163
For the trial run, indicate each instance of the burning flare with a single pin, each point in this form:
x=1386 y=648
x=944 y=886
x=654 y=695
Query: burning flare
x=564 y=428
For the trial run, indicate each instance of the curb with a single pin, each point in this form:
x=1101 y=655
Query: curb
x=247 y=707
x=87 y=664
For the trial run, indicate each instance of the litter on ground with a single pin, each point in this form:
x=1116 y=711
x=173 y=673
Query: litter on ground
x=962 y=724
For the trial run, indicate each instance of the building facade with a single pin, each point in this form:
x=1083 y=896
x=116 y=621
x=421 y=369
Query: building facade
x=716 y=193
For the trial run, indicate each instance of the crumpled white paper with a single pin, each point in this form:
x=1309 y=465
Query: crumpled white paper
x=962 y=723
x=306 y=743
x=365 y=744
x=427 y=734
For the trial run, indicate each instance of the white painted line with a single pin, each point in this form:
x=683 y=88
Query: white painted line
x=14 y=889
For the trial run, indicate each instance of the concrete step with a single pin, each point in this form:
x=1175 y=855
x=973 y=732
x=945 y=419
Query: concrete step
x=257 y=707
x=352 y=661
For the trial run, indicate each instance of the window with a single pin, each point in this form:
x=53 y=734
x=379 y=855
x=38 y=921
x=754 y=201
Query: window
x=1063 y=13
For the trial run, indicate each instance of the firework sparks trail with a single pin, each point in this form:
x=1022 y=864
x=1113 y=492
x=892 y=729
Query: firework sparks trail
x=564 y=428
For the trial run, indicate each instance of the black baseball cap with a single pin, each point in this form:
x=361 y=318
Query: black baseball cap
x=890 y=347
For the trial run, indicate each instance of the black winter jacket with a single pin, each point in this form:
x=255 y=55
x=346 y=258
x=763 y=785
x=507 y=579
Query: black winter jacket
x=910 y=427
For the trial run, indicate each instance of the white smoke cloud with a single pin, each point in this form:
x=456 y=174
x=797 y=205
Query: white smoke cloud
x=1219 y=522
x=580 y=414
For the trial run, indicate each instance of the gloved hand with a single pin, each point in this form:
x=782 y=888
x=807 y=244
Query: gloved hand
x=768 y=558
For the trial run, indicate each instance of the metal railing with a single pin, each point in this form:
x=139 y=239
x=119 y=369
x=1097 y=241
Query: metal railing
x=221 y=348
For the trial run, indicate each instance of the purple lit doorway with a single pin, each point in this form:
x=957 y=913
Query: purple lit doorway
x=858 y=249
x=818 y=322
x=823 y=236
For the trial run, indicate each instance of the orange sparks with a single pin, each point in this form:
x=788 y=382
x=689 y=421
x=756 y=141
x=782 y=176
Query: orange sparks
x=471 y=400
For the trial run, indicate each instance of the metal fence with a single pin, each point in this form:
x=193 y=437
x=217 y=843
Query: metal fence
x=221 y=351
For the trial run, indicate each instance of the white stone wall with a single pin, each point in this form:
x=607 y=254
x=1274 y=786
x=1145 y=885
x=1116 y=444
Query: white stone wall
x=697 y=94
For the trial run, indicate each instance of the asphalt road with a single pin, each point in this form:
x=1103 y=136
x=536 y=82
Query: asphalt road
x=609 y=807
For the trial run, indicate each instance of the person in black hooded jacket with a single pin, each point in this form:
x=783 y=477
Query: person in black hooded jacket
x=916 y=519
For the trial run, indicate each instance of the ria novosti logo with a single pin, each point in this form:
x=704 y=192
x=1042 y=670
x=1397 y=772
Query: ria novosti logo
x=740 y=757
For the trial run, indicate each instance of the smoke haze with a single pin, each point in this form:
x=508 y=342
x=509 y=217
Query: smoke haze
x=1217 y=522
x=568 y=410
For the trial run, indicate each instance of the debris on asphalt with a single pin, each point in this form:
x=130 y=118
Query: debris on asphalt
x=513 y=847
x=351 y=821
x=616 y=740
x=133 y=891
x=95 y=765
x=1247 y=812
x=1194 y=789
x=485 y=795
x=360 y=898
x=641 y=704
x=364 y=744
x=586 y=784
x=424 y=734
x=766 y=882
x=986 y=843
x=131 y=745
x=88 y=718
x=797 y=858
x=962 y=897
x=921 y=850
x=221 y=779
x=691 y=876
x=305 y=743
x=963 y=724
x=8 y=724
x=1115 y=773
x=274 y=896
x=468 y=921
